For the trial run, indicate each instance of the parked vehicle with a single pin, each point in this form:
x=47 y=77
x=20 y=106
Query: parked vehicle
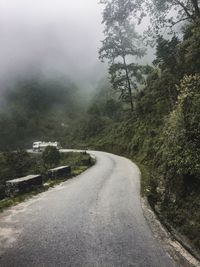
x=40 y=146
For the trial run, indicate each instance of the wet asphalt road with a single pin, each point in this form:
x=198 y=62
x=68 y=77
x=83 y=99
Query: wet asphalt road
x=91 y=220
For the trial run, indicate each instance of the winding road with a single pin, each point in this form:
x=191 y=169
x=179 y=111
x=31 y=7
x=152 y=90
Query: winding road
x=94 y=219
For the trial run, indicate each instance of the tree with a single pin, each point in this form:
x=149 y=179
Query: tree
x=168 y=13
x=166 y=54
x=14 y=164
x=189 y=49
x=51 y=156
x=121 y=42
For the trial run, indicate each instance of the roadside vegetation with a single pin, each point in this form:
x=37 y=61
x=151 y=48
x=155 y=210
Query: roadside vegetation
x=20 y=163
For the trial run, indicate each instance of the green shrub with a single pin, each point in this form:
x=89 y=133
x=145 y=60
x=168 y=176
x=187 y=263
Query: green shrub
x=51 y=156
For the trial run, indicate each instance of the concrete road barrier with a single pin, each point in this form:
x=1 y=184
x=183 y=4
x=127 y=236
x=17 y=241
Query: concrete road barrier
x=23 y=184
x=60 y=172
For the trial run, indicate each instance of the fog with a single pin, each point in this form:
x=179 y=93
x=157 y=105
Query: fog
x=55 y=37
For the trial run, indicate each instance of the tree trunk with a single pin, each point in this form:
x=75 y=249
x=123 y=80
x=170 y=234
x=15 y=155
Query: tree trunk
x=196 y=8
x=129 y=84
x=190 y=16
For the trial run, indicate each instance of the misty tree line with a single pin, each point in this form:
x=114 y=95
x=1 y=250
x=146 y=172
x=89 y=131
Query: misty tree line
x=122 y=44
x=37 y=109
x=41 y=109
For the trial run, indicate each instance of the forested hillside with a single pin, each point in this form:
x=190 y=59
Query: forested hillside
x=162 y=133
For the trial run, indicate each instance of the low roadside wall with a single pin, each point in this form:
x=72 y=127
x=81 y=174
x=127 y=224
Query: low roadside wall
x=60 y=172
x=23 y=184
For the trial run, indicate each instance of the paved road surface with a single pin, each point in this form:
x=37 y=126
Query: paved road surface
x=92 y=220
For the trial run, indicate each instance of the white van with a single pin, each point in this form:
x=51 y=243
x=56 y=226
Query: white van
x=40 y=146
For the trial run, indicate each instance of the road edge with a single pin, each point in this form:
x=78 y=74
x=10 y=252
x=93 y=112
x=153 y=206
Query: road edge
x=170 y=244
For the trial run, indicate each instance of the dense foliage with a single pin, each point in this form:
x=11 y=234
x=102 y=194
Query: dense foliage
x=51 y=156
x=163 y=132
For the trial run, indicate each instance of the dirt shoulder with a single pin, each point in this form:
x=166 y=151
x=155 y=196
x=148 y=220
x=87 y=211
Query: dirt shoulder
x=170 y=244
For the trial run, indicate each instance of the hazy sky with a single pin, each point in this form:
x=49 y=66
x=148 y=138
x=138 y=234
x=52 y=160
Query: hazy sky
x=50 y=36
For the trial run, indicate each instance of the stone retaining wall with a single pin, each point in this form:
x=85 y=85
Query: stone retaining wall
x=60 y=172
x=22 y=185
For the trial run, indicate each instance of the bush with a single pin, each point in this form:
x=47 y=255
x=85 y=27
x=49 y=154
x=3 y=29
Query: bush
x=51 y=156
x=181 y=135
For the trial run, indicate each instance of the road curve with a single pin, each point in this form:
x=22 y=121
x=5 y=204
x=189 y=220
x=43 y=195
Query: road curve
x=94 y=219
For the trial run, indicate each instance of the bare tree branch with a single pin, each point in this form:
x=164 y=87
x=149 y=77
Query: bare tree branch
x=190 y=16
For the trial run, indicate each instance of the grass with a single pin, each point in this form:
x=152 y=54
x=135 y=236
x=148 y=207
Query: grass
x=11 y=201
